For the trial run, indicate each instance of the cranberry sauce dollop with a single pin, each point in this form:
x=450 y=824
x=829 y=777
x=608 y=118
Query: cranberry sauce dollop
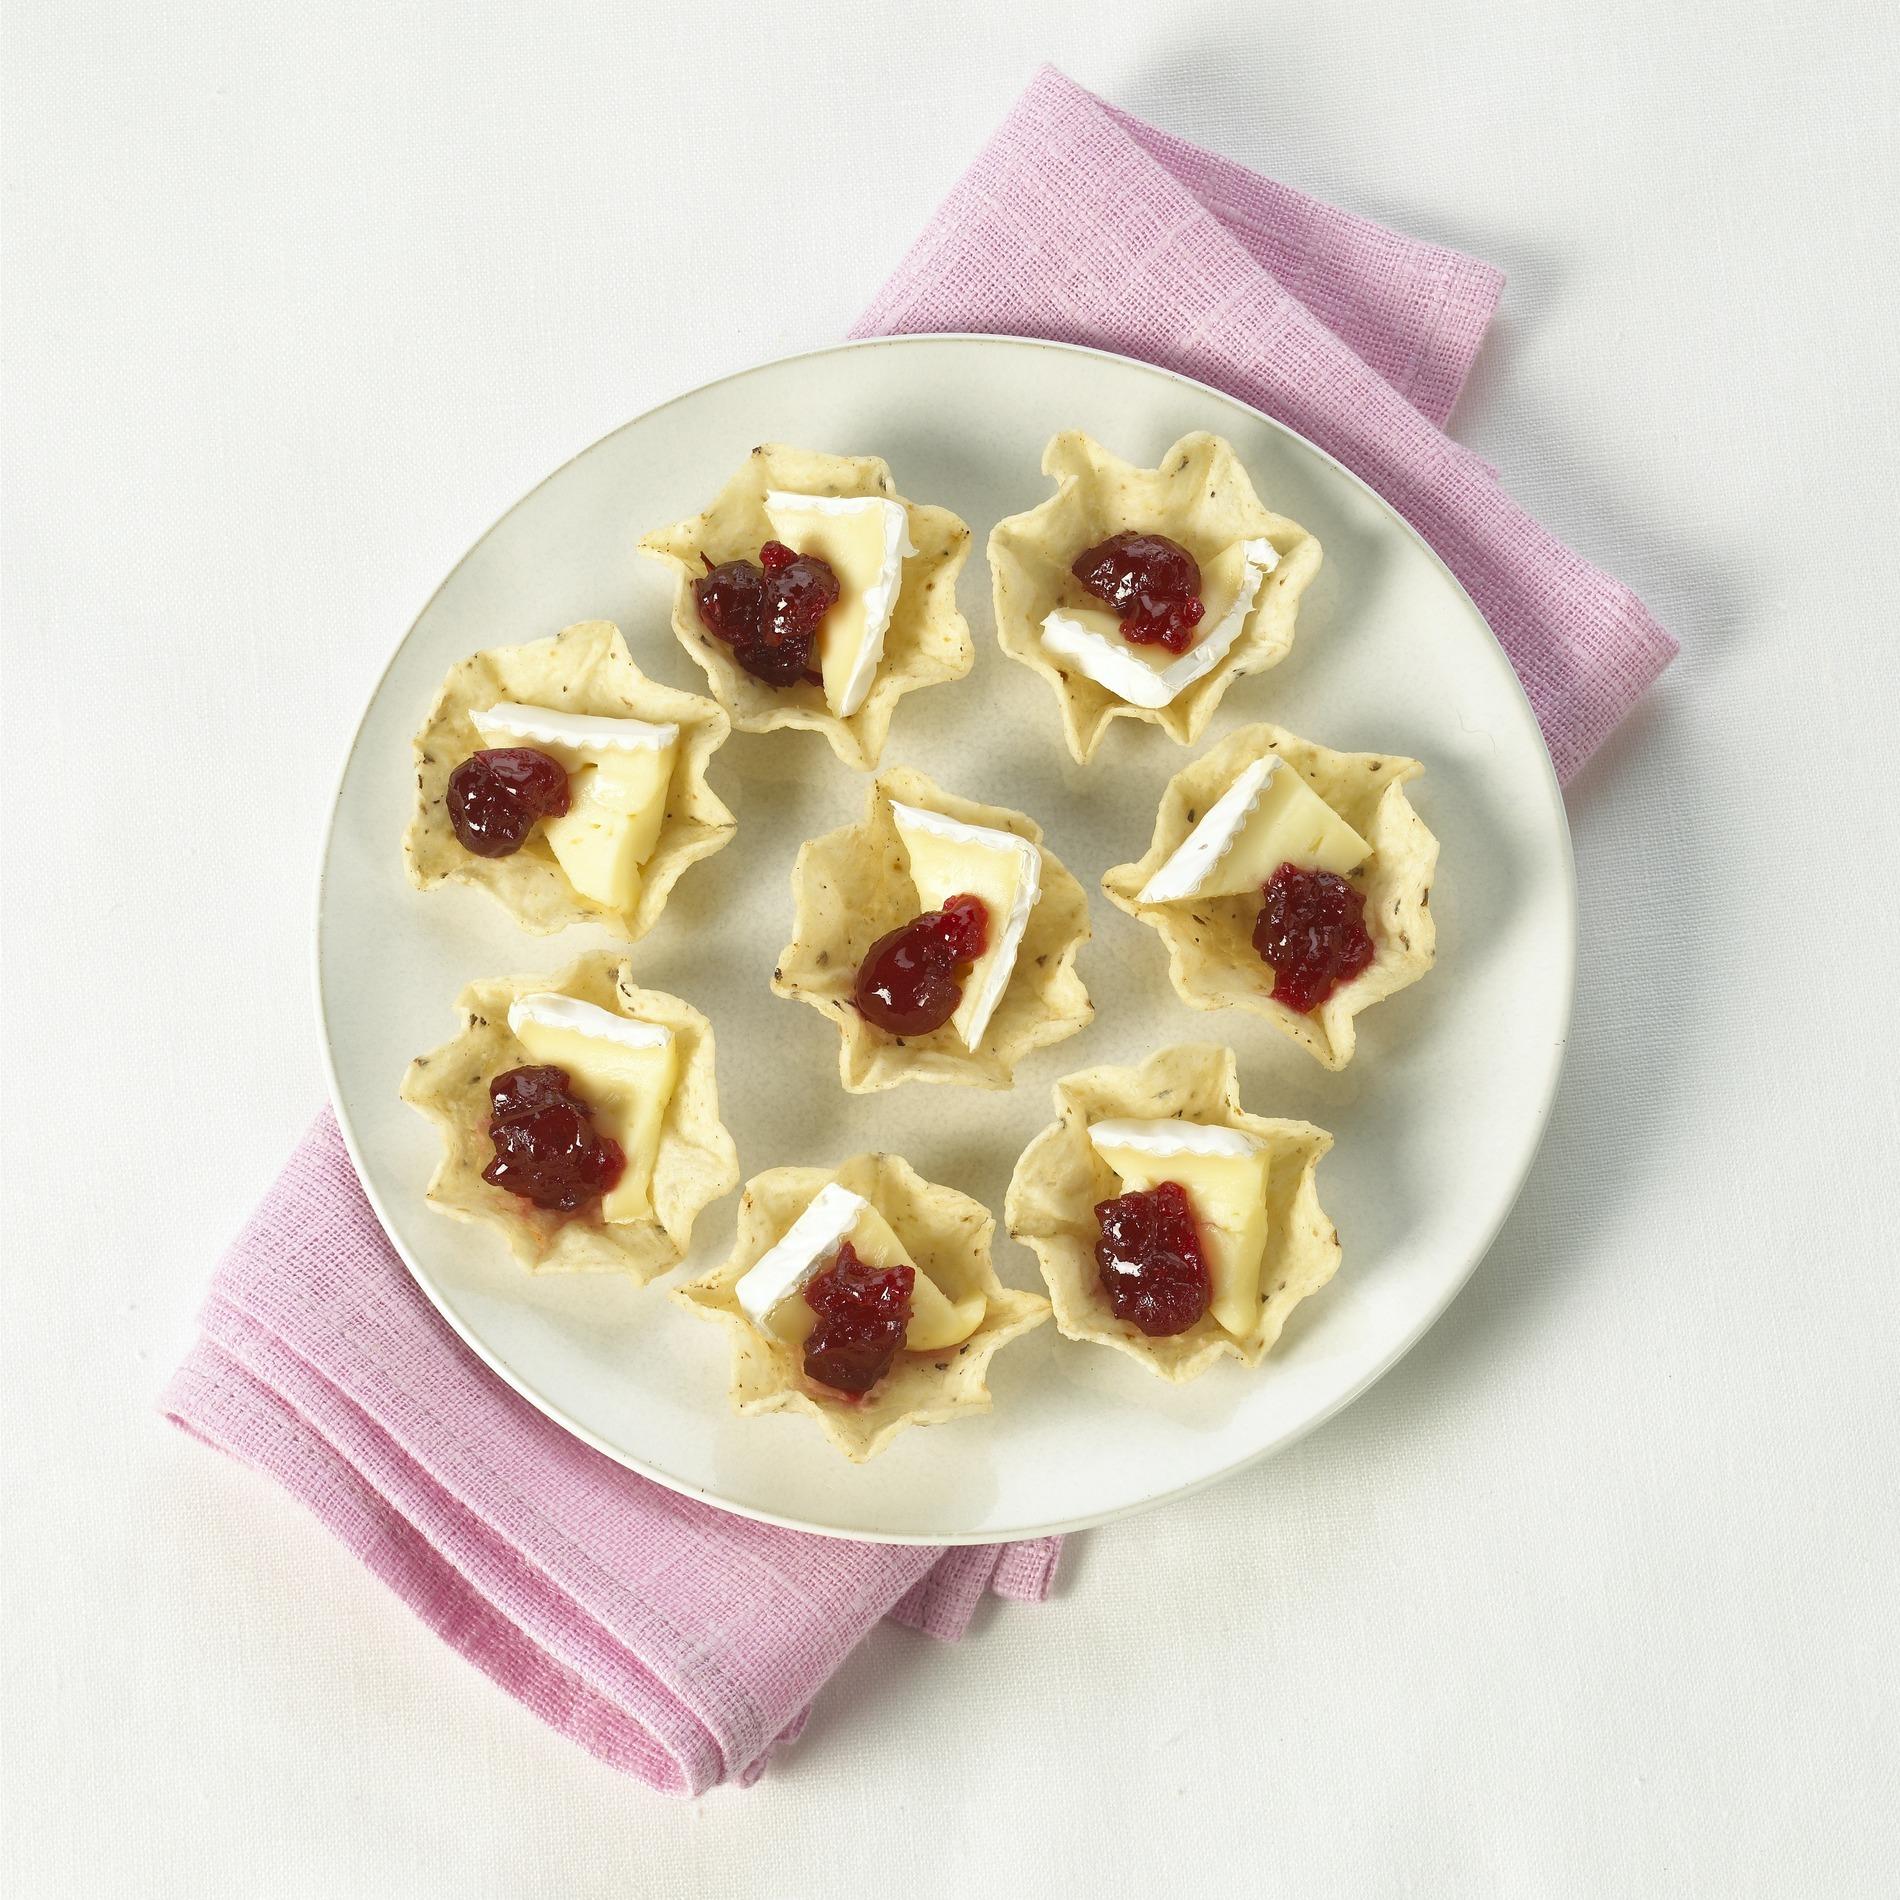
x=1153 y=1272
x=863 y=1313
x=911 y=979
x=1152 y=582
x=1312 y=929
x=546 y=1148
x=769 y=614
x=495 y=797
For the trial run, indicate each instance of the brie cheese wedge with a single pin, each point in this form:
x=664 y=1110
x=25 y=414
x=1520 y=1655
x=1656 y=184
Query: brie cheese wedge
x=1268 y=817
x=1225 y=1174
x=624 y=1069
x=618 y=774
x=949 y=858
x=770 y=1290
x=864 y=540
x=1090 y=638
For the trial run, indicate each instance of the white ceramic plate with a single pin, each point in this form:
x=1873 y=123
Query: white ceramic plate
x=1436 y=1120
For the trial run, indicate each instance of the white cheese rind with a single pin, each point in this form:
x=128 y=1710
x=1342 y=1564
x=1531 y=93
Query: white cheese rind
x=1173 y=1138
x=1113 y=664
x=590 y=733
x=808 y=1247
x=1203 y=848
x=554 y=1011
x=879 y=599
x=1009 y=939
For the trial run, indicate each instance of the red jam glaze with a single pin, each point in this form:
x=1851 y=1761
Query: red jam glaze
x=1153 y=1272
x=495 y=797
x=1312 y=929
x=546 y=1148
x=911 y=979
x=768 y=614
x=1152 y=582
x=863 y=1313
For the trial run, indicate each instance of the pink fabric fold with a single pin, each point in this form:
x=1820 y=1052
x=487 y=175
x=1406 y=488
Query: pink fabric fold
x=674 y=1641
x=1082 y=224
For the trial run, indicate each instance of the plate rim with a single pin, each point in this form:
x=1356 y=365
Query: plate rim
x=1547 y=782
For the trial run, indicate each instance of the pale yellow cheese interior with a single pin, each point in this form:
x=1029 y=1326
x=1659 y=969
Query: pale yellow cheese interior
x=936 y=1321
x=616 y=805
x=1229 y=1196
x=628 y=1090
x=1291 y=824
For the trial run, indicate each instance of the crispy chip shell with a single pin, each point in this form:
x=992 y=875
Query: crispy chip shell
x=1060 y=1178
x=945 y=1232
x=1211 y=959
x=851 y=886
x=928 y=641
x=696 y=1162
x=1200 y=496
x=585 y=668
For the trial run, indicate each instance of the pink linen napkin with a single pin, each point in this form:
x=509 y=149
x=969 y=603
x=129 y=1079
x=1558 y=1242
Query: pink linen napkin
x=1082 y=224
x=672 y=1640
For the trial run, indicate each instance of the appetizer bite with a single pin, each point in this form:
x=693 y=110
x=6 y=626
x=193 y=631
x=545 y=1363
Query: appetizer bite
x=1288 y=880
x=579 y=1117
x=564 y=782
x=1169 y=1223
x=940 y=935
x=864 y=1296
x=814 y=595
x=1144 y=593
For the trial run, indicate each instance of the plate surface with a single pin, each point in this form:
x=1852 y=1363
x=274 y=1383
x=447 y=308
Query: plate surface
x=1436 y=1120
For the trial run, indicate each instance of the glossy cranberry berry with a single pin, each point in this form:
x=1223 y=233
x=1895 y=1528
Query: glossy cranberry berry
x=1152 y=582
x=495 y=798
x=730 y=598
x=769 y=614
x=911 y=979
x=1312 y=929
x=546 y=1147
x=863 y=1313
x=1153 y=1272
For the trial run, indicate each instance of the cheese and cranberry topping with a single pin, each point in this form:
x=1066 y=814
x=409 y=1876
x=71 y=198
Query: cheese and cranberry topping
x=1221 y=1176
x=1312 y=932
x=802 y=1292
x=547 y=1149
x=597 y=786
x=912 y=978
x=1271 y=832
x=497 y=797
x=860 y=1319
x=1268 y=817
x=769 y=613
x=965 y=873
x=1166 y=624
x=818 y=604
x=1152 y=1271
x=863 y=540
x=625 y=1071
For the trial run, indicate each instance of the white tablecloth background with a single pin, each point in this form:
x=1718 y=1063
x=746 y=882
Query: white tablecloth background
x=1595 y=1594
